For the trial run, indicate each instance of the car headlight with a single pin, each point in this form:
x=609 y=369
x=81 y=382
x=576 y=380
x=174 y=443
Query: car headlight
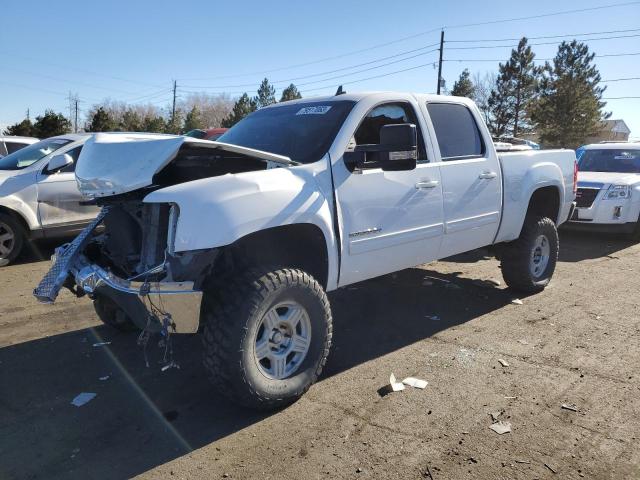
x=618 y=192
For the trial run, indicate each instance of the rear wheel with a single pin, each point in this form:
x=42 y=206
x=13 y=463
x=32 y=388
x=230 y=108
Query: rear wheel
x=12 y=237
x=528 y=263
x=111 y=314
x=266 y=337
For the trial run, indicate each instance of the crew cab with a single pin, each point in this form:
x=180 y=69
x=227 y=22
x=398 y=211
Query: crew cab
x=39 y=196
x=241 y=238
x=608 y=197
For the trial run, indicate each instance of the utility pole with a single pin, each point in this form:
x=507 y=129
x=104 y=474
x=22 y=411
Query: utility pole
x=173 y=109
x=75 y=124
x=28 y=118
x=440 y=61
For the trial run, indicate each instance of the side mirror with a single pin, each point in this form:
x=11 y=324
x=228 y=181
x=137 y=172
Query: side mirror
x=59 y=162
x=400 y=142
x=398 y=150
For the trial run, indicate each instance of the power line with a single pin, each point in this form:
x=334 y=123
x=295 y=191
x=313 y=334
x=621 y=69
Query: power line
x=327 y=72
x=543 y=15
x=620 y=79
x=537 y=59
x=409 y=37
x=545 y=36
x=618 y=98
x=352 y=73
x=540 y=43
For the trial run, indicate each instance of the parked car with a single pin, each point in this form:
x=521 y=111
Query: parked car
x=39 y=197
x=210 y=134
x=10 y=144
x=608 y=197
x=245 y=236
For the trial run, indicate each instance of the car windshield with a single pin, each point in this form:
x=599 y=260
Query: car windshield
x=301 y=131
x=29 y=155
x=610 y=160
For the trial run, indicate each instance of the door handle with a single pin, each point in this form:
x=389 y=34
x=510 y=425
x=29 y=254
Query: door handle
x=427 y=184
x=488 y=175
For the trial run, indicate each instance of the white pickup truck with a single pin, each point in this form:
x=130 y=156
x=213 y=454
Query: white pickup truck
x=244 y=236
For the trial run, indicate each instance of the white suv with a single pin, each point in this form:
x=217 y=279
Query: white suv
x=608 y=197
x=39 y=197
x=10 y=144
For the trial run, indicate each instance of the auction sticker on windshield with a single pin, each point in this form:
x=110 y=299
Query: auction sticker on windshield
x=316 y=110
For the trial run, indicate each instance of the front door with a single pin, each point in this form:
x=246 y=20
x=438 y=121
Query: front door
x=389 y=220
x=59 y=200
x=471 y=179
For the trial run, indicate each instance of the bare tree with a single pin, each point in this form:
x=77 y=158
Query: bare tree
x=483 y=85
x=213 y=108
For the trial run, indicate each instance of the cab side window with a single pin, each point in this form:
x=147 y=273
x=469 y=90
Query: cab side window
x=368 y=133
x=75 y=154
x=14 y=147
x=456 y=130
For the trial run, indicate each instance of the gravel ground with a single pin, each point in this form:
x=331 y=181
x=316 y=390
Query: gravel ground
x=577 y=343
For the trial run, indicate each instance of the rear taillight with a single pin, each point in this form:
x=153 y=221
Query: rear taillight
x=575 y=177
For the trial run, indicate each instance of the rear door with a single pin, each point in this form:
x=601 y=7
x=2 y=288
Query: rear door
x=389 y=220
x=59 y=200
x=471 y=177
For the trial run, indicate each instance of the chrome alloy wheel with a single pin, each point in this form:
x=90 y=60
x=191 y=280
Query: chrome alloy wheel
x=540 y=256
x=283 y=340
x=7 y=240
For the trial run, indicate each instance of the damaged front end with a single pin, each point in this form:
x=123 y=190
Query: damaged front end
x=125 y=254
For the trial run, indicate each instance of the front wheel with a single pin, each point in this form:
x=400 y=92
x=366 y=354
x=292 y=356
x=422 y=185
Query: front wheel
x=12 y=237
x=266 y=337
x=528 y=263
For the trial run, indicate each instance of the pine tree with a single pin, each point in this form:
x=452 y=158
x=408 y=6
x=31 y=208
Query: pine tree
x=154 y=124
x=463 y=87
x=290 y=93
x=243 y=107
x=174 y=125
x=516 y=87
x=266 y=94
x=131 y=121
x=21 y=129
x=101 y=121
x=51 y=124
x=193 y=120
x=569 y=107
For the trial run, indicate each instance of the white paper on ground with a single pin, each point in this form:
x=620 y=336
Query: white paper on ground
x=395 y=385
x=83 y=398
x=415 y=382
x=501 y=427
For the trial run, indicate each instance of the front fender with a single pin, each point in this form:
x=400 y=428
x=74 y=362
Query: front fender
x=217 y=211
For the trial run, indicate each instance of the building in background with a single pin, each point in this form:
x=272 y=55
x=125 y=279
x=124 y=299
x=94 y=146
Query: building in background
x=611 y=131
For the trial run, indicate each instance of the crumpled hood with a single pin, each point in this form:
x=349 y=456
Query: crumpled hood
x=614 y=178
x=115 y=163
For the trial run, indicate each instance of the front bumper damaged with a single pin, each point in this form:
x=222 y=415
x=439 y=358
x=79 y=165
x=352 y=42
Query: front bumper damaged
x=178 y=299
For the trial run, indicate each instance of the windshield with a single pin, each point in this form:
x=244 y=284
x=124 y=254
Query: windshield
x=610 y=160
x=301 y=131
x=29 y=155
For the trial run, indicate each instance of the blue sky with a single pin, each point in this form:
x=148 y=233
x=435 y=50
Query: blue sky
x=133 y=50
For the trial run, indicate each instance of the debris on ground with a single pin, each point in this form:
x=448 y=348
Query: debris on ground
x=435 y=318
x=502 y=362
x=101 y=344
x=510 y=398
x=102 y=379
x=82 y=398
x=395 y=385
x=570 y=406
x=550 y=468
x=496 y=415
x=415 y=382
x=522 y=461
x=523 y=342
x=516 y=301
x=501 y=427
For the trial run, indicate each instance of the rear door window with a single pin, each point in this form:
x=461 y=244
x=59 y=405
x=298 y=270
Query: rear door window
x=14 y=147
x=456 y=130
